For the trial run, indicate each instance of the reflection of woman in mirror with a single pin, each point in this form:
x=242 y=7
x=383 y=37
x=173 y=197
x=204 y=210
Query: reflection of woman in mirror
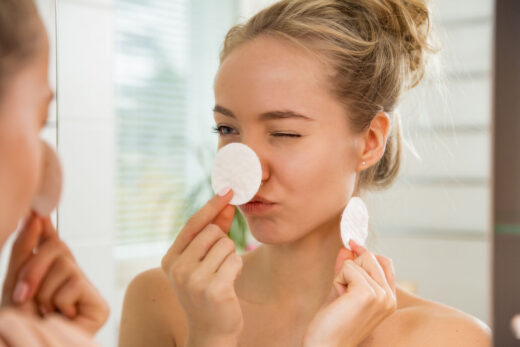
x=310 y=86
x=46 y=298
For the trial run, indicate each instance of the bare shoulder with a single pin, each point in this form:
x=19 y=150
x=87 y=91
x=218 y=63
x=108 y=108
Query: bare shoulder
x=429 y=323
x=151 y=314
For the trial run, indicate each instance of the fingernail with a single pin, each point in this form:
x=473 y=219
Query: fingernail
x=224 y=191
x=20 y=292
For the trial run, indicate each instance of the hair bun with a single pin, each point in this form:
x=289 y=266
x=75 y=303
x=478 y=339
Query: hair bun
x=408 y=21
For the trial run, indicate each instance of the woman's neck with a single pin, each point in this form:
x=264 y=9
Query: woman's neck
x=294 y=274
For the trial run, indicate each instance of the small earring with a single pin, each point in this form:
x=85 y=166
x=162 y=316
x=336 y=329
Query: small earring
x=364 y=163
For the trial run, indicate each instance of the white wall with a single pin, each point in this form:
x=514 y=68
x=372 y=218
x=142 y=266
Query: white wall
x=86 y=140
x=248 y=8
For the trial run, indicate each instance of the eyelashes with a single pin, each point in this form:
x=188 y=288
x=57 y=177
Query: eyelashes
x=219 y=130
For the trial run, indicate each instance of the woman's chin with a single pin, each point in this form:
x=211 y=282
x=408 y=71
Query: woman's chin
x=267 y=234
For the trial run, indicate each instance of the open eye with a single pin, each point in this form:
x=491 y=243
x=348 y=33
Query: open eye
x=221 y=130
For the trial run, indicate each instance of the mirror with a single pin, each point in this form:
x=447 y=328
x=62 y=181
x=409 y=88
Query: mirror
x=133 y=128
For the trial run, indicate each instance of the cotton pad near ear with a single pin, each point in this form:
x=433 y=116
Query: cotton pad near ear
x=354 y=222
x=49 y=192
x=237 y=166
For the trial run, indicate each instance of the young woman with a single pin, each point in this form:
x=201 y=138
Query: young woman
x=310 y=86
x=46 y=298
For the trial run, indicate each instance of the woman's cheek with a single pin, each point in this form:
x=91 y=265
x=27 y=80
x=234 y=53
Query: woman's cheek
x=30 y=172
x=22 y=152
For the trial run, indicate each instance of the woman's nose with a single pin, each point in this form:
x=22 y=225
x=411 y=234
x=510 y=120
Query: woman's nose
x=265 y=171
x=262 y=156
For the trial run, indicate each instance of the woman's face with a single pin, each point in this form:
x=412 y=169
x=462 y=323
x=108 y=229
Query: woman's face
x=309 y=173
x=24 y=104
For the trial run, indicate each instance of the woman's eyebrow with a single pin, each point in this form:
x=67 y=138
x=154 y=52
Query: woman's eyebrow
x=270 y=115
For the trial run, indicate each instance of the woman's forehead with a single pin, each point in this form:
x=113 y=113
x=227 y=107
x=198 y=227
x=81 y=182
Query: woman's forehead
x=270 y=62
x=271 y=74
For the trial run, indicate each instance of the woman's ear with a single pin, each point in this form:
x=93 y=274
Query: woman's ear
x=374 y=141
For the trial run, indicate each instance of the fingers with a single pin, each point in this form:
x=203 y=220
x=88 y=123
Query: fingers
x=370 y=264
x=225 y=218
x=230 y=269
x=201 y=244
x=59 y=273
x=48 y=231
x=66 y=334
x=375 y=264
x=43 y=273
x=68 y=295
x=35 y=231
x=65 y=289
x=16 y=330
x=22 y=250
x=365 y=288
x=343 y=255
x=213 y=208
x=32 y=273
x=216 y=256
x=388 y=268
x=350 y=279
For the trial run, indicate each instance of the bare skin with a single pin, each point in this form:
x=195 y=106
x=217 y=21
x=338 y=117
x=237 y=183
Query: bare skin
x=153 y=316
x=282 y=284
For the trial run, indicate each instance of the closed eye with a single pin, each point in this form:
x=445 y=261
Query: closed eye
x=285 y=135
x=221 y=130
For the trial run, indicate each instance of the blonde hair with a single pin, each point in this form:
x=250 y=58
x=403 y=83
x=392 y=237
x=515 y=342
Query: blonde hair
x=20 y=35
x=376 y=49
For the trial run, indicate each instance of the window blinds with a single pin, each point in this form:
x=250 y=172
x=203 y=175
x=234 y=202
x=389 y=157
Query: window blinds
x=150 y=80
x=166 y=57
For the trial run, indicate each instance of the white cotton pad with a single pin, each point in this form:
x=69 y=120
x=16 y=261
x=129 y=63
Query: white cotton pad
x=237 y=166
x=49 y=192
x=354 y=222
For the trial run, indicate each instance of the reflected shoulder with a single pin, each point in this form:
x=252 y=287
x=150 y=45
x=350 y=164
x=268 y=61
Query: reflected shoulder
x=153 y=285
x=151 y=311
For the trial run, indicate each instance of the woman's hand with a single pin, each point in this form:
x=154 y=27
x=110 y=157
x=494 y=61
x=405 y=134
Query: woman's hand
x=18 y=329
x=362 y=296
x=43 y=278
x=202 y=266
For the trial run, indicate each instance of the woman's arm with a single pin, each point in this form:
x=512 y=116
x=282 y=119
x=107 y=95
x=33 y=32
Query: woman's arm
x=150 y=312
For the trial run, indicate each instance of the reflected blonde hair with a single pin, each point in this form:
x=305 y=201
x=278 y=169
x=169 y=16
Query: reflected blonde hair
x=376 y=49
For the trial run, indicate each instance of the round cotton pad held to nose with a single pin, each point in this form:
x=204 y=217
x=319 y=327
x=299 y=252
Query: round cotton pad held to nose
x=49 y=192
x=354 y=222
x=237 y=166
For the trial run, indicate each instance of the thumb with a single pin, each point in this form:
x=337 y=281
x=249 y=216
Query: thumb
x=225 y=218
x=343 y=255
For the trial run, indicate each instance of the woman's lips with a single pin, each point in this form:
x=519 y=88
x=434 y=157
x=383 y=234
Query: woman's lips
x=256 y=207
